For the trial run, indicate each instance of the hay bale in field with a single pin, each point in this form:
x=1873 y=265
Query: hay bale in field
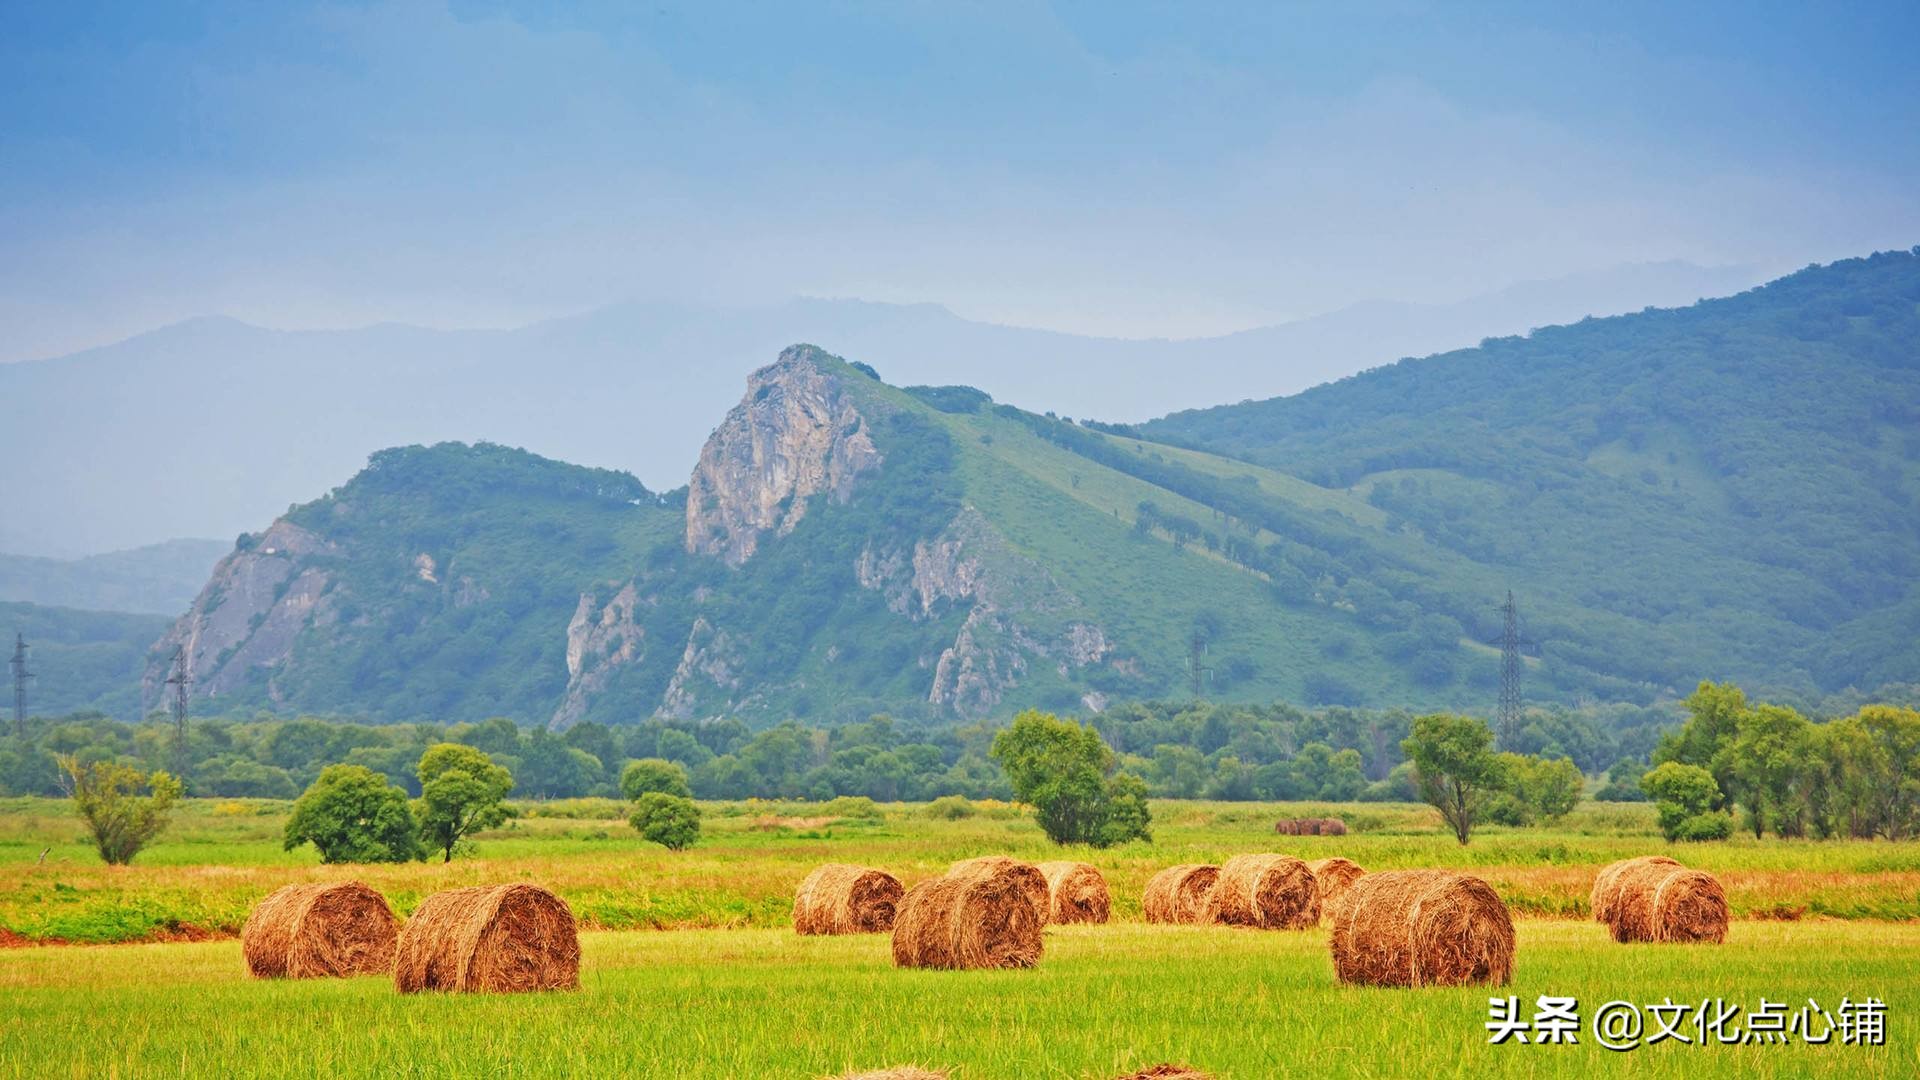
x=842 y=899
x=1287 y=826
x=489 y=939
x=1179 y=894
x=1606 y=884
x=1660 y=902
x=329 y=930
x=1031 y=879
x=1422 y=928
x=897 y=1072
x=1167 y=1070
x=979 y=916
x=1334 y=877
x=1332 y=826
x=1270 y=892
x=1079 y=893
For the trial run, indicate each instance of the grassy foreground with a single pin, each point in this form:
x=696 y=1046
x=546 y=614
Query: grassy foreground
x=1105 y=1000
x=220 y=857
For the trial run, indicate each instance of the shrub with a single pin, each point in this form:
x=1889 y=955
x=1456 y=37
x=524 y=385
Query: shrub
x=352 y=814
x=853 y=806
x=121 y=822
x=950 y=808
x=1685 y=794
x=671 y=821
x=1065 y=771
x=654 y=774
x=1713 y=825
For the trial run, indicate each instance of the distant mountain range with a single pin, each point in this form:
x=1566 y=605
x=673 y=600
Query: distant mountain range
x=159 y=579
x=210 y=426
x=1729 y=490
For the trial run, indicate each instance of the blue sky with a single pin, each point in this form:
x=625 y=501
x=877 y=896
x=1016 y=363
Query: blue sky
x=1123 y=169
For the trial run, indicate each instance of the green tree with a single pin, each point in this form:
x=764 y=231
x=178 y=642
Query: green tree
x=671 y=821
x=121 y=821
x=1881 y=761
x=354 y=815
x=1685 y=796
x=654 y=774
x=1765 y=764
x=461 y=793
x=1066 y=771
x=1456 y=767
x=1542 y=789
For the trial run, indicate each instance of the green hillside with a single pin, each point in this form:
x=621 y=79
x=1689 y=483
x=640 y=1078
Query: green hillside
x=1727 y=491
x=79 y=659
x=1736 y=483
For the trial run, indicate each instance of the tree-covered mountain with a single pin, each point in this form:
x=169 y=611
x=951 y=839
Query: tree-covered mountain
x=78 y=659
x=1727 y=490
x=156 y=579
x=1739 y=479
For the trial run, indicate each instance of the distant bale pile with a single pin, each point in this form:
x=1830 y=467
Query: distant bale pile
x=1310 y=827
x=842 y=899
x=1664 y=901
x=1269 y=892
x=1179 y=894
x=1606 y=884
x=1334 y=877
x=1032 y=880
x=1422 y=928
x=1167 y=1070
x=981 y=915
x=897 y=1072
x=330 y=930
x=1079 y=893
x=489 y=939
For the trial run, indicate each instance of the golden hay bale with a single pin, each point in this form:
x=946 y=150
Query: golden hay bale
x=1167 y=1070
x=1287 y=826
x=1655 y=902
x=1032 y=880
x=328 y=930
x=897 y=1072
x=1271 y=892
x=1179 y=894
x=1606 y=884
x=1334 y=877
x=489 y=939
x=975 y=917
x=842 y=899
x=1422 y=928
x=1079 y=893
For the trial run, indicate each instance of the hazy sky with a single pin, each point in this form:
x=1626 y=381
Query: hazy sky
x=1128 y=170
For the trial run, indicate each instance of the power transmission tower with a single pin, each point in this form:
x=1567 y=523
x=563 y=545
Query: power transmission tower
x=181 y=682
x=1507 y=721
x=1197 y=670
x=20 y=677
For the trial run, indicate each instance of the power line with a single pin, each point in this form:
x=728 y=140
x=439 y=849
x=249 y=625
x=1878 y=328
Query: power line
x=181 y=681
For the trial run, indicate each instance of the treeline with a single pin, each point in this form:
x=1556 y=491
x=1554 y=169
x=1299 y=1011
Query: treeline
x=1180 y=750
x=1780 y=772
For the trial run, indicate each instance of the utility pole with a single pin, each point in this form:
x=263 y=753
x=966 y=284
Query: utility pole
x=181 y=681
x=1198 y=673
x=20 y=677
x=1508 y=719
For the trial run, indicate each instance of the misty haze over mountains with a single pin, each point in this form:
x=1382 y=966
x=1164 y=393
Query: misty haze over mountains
x=208 y=427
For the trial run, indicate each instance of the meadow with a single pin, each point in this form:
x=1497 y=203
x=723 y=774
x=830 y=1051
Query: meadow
x=719 y=986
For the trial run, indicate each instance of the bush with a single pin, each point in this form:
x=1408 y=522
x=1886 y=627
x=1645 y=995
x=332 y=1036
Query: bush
x=1685 y=794
x=654 y=774
x=352 y=814
x=671 y=821
x=121 y=822
x=853 y=806
x=950 y=808
x=1065 y=770
x=1708 y=826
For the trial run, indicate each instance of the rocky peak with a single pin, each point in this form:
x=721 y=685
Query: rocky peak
x=795 y=434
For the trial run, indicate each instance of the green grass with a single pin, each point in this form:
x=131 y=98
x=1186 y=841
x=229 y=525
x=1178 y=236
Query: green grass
x=1104 y=1000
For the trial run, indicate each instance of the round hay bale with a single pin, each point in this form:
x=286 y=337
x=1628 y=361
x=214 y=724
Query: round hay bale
x=1655 y=902
x=331 y=930
x=1079 y=893
x=489 y=939
x=1333 y=877
x=1179 y=894
x=1606 y=884
x=1422 y=928
x=981 y=917
x=1270 y=892
x=842 y=899
x=1167 y=1070
x=1031 y=879
x=897 y=1072
x=1287 y=827
x=1332 y=826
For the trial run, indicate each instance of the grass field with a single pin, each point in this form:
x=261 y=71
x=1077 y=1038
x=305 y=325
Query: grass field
x=727 y=991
